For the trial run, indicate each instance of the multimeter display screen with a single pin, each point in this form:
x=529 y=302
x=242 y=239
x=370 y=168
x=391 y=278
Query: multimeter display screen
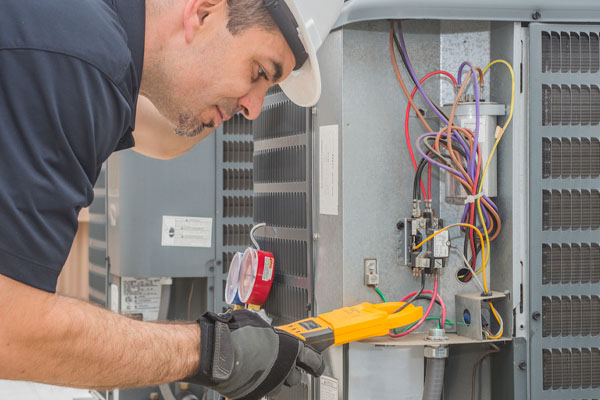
x=309 y=325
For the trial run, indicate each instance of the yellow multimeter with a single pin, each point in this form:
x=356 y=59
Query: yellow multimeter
x=350 y=324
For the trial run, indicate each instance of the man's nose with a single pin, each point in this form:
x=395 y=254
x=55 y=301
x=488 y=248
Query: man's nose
x=251 y=103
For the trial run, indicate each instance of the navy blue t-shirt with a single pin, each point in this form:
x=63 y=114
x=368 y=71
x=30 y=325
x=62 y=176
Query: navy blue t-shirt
x=70 y=72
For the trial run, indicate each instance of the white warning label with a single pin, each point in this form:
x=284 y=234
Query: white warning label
x=328 y=388
x=141 y=296
x=186 y=231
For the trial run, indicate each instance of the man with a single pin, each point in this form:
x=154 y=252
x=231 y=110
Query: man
x=70 y=75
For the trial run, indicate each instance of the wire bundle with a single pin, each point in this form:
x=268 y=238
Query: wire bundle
x=456 y=151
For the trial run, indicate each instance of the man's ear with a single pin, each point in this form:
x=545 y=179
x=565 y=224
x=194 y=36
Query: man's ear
x=197 y=13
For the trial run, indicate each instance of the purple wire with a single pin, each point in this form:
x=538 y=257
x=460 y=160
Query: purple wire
x=476 y=86
x=414 y=76
x=471 y=169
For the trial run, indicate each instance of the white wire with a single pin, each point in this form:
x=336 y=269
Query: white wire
x=254 y=228
x=473 y=274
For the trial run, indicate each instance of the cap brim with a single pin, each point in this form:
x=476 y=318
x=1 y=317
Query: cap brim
x=303 y=86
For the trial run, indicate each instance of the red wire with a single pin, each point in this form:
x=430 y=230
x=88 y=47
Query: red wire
x=433 y=297
x=426 y=195
x=442 y=305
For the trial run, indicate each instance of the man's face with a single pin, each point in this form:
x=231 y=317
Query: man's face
x=217 y=74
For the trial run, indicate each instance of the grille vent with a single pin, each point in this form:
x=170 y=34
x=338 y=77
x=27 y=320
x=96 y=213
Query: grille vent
x=287 y=303
x=280 y=119
x=570 y=158
x=237 y=179
x=274 y=90
x=237 y=125
x=570 y=209
x=237 y=206
x=287 y=164
x=571 y=368
x=570 y=316
x=281 y=209
x=570 y=263
x=227 y=257
x=564 y=52
x=237 y=152
x=290 y=255
x=570 y=105
x=236 y=235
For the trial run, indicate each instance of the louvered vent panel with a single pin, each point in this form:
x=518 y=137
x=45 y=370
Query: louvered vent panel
x=282 y=134
x=290 y=255
x=286 y=164
x=237 y=206
x=570 y=209
x=227 y=257
x=287 y=303
x=280 y=119
x=565 y=52
x=237 y=125
x=281 y=209
x=572 y=263
x=237 y=179
x=572 y=105
x=572 y=368
x=236 y=235
x=237 y=151
x=570 y=316
x=564 y=171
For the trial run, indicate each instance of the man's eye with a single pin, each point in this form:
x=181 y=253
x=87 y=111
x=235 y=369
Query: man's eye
x=262 y=74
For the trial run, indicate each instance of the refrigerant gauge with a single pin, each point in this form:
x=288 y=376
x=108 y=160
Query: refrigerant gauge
x=232 y=296
x=256 y=276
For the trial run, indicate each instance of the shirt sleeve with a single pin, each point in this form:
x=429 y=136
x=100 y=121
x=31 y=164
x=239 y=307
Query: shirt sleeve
x=60 y=118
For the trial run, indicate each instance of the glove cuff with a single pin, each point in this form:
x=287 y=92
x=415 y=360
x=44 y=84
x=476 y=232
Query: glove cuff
x=216 y=351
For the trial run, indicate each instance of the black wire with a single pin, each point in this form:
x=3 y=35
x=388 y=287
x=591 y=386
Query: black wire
x=405 y=62
x=417 y=179
x=415 y=296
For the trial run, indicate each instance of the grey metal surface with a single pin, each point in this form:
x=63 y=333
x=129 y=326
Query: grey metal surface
x=382 y=372
x=487 y=10
x=141 y=191
x=563 y=352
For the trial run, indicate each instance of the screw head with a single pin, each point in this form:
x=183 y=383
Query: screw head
x=536 y=315
x=400 y=225
x=522 y=365
x=536 y=15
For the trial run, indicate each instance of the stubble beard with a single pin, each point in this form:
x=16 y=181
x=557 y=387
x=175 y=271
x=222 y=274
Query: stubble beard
x=190 y=125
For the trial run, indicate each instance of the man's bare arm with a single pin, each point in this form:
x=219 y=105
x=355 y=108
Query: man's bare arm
x=53 y=339
x=155 y=136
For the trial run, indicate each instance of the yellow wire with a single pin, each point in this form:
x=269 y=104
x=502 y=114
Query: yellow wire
x=428 y=238
x=487 y=164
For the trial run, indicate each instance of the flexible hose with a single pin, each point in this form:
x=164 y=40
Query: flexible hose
x=434 y=379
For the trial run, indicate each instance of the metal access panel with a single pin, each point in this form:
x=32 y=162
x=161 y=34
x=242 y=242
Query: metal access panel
x=564 y=211
x=141 y=192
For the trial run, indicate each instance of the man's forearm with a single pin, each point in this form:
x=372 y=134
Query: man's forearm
x=52 y=339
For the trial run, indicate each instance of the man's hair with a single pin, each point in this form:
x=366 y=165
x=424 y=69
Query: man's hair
x=246 y=14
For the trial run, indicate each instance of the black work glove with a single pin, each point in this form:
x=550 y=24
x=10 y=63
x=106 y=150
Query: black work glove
x=243 y=357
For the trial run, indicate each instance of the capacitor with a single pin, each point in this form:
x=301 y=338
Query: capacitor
x=465 y=117
x=256 y=276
